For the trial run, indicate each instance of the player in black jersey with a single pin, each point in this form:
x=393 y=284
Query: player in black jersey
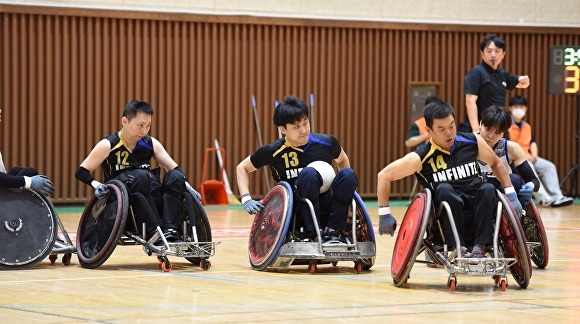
x=448 y=166
x=126 y=155
x=288 y=159
x=19 y=177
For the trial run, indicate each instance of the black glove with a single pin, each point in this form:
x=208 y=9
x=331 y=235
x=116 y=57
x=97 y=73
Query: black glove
x=41 y=184
x=101 y=192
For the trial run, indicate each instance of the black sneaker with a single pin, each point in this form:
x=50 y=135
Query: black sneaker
x=478 y=252
x=172 y=236
x=330 y=236
x=158 y=241
x=308 y=236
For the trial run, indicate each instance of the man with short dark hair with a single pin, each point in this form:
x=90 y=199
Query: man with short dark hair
x=126 y=156
x=487 y=83
x=448 y=166
x=290 y=157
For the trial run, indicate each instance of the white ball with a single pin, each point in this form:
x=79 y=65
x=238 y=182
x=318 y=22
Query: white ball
x=326 y=171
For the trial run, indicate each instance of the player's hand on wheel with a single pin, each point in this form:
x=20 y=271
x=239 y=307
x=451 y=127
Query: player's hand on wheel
x=387 y=224
x=101 y=192
x=41 y=184
x=526 y=192
x=195 y=192
x=513 y=197
x=250 y=205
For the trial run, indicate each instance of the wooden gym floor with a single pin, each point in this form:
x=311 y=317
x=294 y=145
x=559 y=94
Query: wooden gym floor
x=130 y=288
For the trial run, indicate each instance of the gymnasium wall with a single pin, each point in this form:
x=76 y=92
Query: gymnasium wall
x=68 y=72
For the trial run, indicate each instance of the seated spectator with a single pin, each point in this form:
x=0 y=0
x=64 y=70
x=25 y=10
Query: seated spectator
x=549 y=193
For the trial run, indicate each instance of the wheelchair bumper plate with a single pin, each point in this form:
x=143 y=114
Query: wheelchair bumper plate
x=302 y=251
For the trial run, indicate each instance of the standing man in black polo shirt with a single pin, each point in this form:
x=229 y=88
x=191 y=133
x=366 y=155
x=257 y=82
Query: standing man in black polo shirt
x=487 y=84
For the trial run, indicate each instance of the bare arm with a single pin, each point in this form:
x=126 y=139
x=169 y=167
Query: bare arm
x=99 y=153
x=516 y=153
x=162 y=156
x=242 y=175
x=470 y=103
x=342 y=160
x=405 y=166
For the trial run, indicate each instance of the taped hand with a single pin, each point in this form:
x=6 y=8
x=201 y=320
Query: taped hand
x=513 y=197
x=387 y=224
x=525 y=193
x=196 y=194
x=41 y=184
x=101 y=192
x=252 y=206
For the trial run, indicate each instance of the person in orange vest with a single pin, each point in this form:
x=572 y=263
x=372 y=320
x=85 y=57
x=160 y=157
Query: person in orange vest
x=520 y=132
x=417 y=133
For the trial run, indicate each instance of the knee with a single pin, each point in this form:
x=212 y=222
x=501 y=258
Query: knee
x=344 y=185
x=140 y=182
x=445 y=192
x=308 y=183
x=488 y=189
x=346 y=177
x=308 y=174
x=174 y=183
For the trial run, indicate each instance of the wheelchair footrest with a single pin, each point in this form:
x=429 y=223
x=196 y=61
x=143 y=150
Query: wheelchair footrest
x=192 y=249
x=126 y=240
x=340 y=251
x=310 y=250
x=482 y=266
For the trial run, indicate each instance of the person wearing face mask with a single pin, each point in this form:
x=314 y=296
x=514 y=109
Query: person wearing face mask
x=549 y=193
x=487 y=84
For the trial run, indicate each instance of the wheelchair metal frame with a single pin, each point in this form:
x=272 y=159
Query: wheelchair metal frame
x=295 y=251
x=195 y=251
x=496 y=266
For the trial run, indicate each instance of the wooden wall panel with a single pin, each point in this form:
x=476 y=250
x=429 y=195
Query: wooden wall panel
x=67 y=74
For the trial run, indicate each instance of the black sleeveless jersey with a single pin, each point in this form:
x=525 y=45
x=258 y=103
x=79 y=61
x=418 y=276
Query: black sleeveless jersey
x=121 y=158
x=286 y=161
x=458 y=167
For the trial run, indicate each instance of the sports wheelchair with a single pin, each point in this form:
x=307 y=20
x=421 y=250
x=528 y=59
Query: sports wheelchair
x=29 y=230
x=535 y=235
x=105 y=223
x=275 y=236
x=419 y=232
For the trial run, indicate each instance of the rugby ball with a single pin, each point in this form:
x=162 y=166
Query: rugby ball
x=327 y=173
